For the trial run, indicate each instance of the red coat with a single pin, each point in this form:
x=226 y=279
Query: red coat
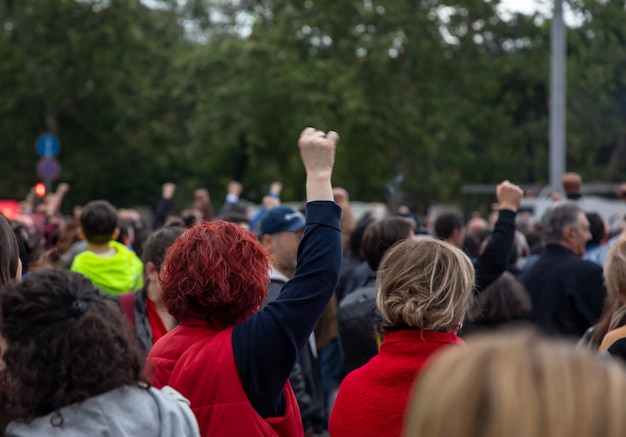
x=373 y=398
x=200 y=364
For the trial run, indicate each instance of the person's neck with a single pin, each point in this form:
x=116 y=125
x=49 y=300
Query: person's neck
x=98 y=248
x=153 y=293
x=288 y=273
x=569 y=247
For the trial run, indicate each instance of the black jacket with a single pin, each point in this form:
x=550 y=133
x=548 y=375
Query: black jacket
x=567 y=292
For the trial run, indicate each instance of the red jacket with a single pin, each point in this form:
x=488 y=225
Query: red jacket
x=372 y=399
x=199 y=363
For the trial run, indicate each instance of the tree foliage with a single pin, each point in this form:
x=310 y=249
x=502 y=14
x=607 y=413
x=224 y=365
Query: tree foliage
x=427 y=95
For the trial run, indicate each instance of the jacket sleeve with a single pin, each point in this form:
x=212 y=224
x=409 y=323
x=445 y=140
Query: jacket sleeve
x=493 y=261
x=266 y=346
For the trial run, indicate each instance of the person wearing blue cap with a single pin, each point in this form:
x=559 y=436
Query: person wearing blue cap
x=280 y=232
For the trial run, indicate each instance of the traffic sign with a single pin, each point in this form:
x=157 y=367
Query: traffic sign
x=48 y=169
x=47 y=145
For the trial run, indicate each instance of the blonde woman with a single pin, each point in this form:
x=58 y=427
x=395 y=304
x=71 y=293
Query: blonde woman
x=612 y=327
x=423 y=290
x=518 y=384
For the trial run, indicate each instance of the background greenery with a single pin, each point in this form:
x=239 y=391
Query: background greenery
x=426 y=95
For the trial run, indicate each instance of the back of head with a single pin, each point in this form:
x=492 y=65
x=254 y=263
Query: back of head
x=10 y=253
x=518 y=384
x=505 y=299
x=98 y=220
x=425 y=284
x=381 y=235
x=215 y=272
x=65 y=343
x=356 y=237
x=596 y=227
x=572 y=183
x=476 y=226
x=556 y=219
x=446 y=223
x=157 y=244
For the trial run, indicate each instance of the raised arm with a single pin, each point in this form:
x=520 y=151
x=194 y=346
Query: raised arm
x=266 y=346
x=164 y=206
x=493 y=261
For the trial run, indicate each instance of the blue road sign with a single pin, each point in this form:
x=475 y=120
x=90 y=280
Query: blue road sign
x=48 y=169
x=47 y=146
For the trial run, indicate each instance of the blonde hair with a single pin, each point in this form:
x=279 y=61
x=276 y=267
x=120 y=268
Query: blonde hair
x=614 y=312
x=425 y=284
x=518 y=384
x=615 y=272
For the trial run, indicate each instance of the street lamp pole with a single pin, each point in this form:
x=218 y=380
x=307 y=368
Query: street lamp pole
x=557 y=96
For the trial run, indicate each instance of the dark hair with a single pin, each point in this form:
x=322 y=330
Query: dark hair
x=216 y=272
x=189 y=217
x=356 y=237
x=471 y=246
x=535 y=242
x=9 y=252
x=506 y=299
x=596 y=227
x=66 y=343
x=446 y=223
x=156 y=245
x=98 y=221
x=381 y=235
x=236 y=217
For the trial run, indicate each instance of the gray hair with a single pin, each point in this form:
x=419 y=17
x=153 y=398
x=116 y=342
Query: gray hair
x=555 y=219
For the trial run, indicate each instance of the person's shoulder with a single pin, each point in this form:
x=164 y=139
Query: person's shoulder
x=587 y=266
x=357 y=380
x=364 y=293
x=612 y=336
x=80 y=259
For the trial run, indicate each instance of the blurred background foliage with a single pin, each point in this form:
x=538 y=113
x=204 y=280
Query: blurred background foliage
x=427 y=95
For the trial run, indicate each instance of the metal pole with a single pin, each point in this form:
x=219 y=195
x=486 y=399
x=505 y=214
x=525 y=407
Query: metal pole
x=557 y=97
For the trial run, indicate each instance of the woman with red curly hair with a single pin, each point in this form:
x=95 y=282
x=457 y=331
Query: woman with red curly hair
x=229 y=359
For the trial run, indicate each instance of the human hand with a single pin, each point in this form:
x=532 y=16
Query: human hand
x=317 y=152
x=341 y=196
x=63 y=187
x=168 y=190
x=276 y=188
x=509 y=195
x=270 y=202
x=234 y=188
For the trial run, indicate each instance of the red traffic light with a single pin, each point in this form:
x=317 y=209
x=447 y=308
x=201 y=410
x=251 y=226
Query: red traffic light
x=40 y=189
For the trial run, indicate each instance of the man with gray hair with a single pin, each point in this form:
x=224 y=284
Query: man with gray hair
x=567 y=292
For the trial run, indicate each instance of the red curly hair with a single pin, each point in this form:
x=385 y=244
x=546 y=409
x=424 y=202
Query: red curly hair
x=216 y=272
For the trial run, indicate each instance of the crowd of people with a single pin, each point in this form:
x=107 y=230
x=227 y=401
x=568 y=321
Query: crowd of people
x=312 y=322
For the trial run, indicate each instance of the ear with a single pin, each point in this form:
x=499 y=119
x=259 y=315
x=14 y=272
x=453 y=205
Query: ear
x=116 y=233
x=81 y=233
x=268 y=243
x=455 y=236
x=151 y=272
x=567 y=233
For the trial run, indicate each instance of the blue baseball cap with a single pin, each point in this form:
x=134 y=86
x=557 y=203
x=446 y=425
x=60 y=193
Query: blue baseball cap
x=281 y=219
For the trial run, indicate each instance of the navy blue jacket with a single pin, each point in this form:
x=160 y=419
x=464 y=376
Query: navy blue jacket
x=567 y=292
